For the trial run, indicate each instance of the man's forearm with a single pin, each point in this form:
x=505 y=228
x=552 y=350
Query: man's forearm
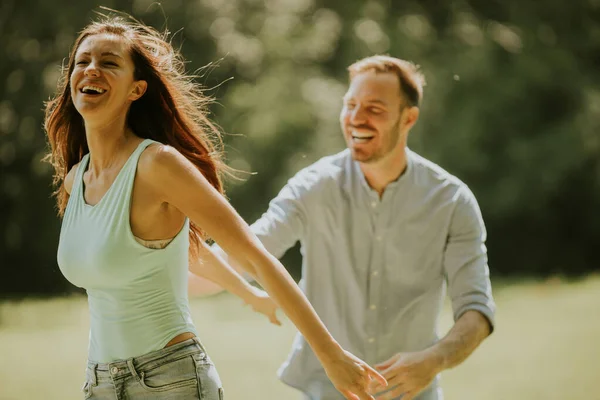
x=462 y=339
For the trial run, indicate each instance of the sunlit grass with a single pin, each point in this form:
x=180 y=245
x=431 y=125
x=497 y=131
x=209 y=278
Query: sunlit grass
x=546 y=346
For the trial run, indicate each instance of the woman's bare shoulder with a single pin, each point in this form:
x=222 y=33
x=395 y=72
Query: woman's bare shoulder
x=159 y=158
x=70 y=178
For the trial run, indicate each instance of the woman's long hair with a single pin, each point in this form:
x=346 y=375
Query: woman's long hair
x=172 y=111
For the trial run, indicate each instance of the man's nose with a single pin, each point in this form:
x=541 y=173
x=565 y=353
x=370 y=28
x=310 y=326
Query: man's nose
x=357 y=115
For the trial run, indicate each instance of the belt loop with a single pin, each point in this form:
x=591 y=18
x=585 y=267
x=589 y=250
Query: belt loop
x=132 y=369
x=199 y=343
x=94 y=374
x=202 y=349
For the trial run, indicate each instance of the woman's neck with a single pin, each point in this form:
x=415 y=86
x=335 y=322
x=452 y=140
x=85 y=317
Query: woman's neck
x=107 y=144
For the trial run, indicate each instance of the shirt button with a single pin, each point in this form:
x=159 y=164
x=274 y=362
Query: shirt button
x=373 y=306
x=114 y=370
x=375 y=273
x=371 y=340
x=379 y=238
x=373 y=204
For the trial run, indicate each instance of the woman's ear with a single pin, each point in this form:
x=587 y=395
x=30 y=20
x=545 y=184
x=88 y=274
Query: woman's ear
x=139 y=88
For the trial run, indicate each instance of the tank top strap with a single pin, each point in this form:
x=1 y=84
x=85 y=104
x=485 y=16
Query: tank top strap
x=129 y=170
x=78 y=179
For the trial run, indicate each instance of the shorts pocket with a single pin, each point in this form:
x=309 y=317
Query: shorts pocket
x=173 y=374
x=209 y=382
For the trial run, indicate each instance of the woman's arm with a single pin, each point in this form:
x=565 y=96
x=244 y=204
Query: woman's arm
x=210 y=266
x=179 y=183
x=200 y=286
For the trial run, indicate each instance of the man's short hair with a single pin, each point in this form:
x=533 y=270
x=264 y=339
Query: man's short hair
x=410 y=78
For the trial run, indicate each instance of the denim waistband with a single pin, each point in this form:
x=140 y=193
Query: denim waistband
x=135 y=365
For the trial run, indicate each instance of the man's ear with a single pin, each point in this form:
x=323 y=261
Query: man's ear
x=139 y=88
x=411 y=115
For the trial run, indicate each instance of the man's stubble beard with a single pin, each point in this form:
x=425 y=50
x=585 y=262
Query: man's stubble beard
x=385 y=149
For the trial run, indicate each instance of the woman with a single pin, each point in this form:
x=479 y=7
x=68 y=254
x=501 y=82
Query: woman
x=138 y=178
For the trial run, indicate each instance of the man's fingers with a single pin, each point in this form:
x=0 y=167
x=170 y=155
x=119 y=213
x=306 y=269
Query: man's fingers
x=362 y=395
x=349 y=395
x=394 y=393
x=387 y=363
x=394 y=383
x=384 y=365
x=391 y=373
x=378 y=387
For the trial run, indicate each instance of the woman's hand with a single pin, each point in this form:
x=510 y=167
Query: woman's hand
x=262 y=303
x=350 y=375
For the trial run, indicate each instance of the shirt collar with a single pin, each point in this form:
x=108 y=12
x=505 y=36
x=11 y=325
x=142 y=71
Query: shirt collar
x=390 y=186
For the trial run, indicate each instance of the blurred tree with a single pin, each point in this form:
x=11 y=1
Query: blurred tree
x=512 y=107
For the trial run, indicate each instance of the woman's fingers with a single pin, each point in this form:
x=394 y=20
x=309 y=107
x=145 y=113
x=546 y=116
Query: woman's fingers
x=373 y=374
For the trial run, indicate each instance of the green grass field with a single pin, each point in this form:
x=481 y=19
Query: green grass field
x=546 y=346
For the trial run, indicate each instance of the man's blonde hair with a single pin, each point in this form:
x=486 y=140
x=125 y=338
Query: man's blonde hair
x=410 y=78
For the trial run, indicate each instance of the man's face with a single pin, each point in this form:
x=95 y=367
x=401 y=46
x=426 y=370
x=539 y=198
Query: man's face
x=371 y=115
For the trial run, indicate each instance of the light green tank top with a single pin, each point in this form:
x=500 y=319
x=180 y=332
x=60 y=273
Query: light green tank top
x=137 y=296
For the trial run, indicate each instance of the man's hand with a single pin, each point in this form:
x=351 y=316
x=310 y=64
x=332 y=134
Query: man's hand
x=262 y=303
x=407 y=374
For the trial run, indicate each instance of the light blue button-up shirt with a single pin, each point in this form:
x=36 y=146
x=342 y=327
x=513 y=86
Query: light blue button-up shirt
x=375 y=269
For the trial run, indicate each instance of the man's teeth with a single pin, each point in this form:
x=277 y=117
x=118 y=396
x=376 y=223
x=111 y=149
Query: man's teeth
x=361 y=137
x=358 y=139
x=92 y=89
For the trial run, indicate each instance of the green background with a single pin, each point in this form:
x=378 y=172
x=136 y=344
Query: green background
x=512 y=107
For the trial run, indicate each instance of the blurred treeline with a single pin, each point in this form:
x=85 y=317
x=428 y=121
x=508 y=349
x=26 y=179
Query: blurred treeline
x=512 y=107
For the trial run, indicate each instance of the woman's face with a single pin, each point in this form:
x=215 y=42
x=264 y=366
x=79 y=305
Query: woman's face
x=102 y=81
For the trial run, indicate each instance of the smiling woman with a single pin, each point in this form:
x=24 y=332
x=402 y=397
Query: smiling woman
x=137 y=170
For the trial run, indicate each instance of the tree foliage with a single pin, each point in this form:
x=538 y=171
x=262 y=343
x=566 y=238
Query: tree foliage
x=512 y=107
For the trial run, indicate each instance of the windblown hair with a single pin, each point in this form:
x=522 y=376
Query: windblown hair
x=172 y=111
x=410 y=78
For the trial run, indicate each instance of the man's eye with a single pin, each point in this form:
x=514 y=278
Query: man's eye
x=112 y=64
x=376 y=110
x=81 y=62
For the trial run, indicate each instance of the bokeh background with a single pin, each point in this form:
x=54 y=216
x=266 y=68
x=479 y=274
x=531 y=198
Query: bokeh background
x=512 y=107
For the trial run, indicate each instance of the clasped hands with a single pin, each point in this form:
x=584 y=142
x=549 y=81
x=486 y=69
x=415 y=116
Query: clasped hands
x=407 y=374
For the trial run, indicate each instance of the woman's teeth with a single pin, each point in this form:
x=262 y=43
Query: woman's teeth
x=90 y=89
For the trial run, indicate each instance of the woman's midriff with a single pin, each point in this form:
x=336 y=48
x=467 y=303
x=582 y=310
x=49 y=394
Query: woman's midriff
x=180 y=338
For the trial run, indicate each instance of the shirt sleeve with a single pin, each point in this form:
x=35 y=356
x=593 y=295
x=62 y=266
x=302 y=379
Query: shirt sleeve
x=283 y=224
x=466 y=262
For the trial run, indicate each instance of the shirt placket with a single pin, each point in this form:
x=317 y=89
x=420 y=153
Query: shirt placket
x=374 y=279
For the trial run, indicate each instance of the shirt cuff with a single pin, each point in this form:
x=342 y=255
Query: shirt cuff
x=482 y=308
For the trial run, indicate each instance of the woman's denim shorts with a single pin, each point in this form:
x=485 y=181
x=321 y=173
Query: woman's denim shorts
x=180 y=371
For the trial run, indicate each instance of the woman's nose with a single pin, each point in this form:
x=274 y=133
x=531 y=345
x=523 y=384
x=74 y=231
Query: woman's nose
x=91 y=70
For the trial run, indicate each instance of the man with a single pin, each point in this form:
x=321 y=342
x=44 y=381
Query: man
x=383 y=233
